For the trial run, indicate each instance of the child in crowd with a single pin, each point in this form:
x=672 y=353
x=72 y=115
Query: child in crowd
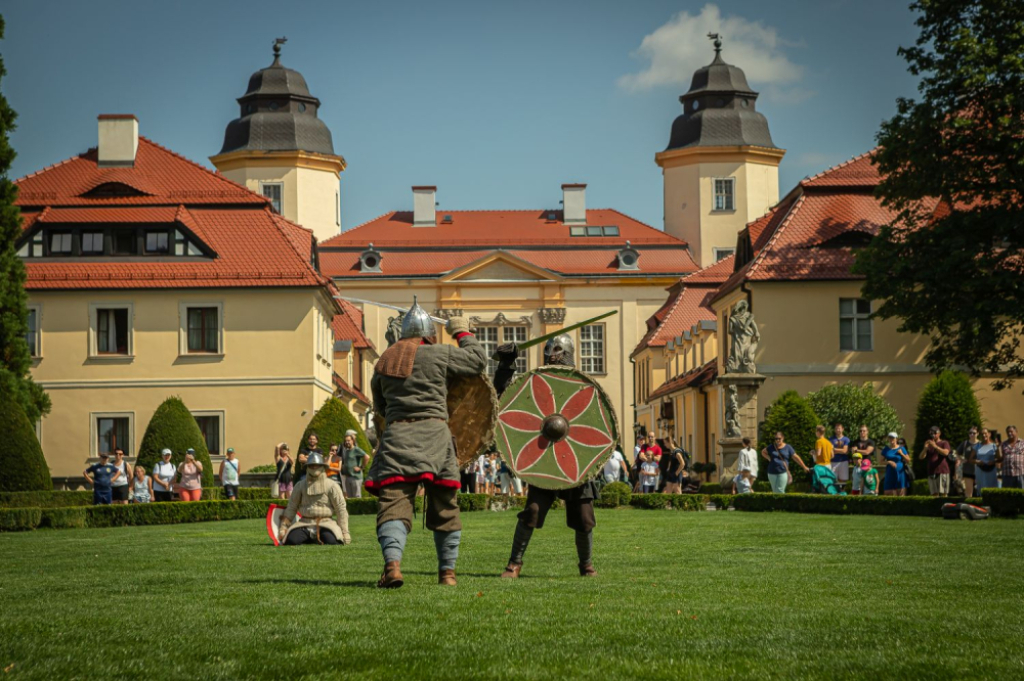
x=743 y=483
x=142 y=486
x=868 y=478
x=648 y=476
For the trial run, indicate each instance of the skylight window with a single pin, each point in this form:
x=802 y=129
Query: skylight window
x=594 y=231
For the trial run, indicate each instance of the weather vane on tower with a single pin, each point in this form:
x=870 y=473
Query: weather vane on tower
x=717 y=37
x=278 y=42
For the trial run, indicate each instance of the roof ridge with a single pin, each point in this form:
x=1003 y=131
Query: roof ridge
x=774 y=237
x=832 y=169
x=52 y=166
x=212 y=173
x=274 y=218
x=336 y=236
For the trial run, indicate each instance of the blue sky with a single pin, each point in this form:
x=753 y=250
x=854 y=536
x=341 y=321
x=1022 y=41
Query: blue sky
x=496 y=103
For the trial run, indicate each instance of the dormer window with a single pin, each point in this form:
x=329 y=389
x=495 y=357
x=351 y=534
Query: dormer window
x=60 y=243
x=113 y=190
x=92 y=243
x=157 y=242
x=370 y=259
x=629 y=258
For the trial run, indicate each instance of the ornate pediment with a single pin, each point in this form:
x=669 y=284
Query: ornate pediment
x=501 y=320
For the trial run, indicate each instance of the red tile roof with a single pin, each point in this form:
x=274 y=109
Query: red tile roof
x=715 y=273
x=686 y=307
x=859 y=171
x=355 y=392
x=526 y=234
x=252 y=247
x=694 y=378
x=348 y=325
x=497 y=229
x=165 y=177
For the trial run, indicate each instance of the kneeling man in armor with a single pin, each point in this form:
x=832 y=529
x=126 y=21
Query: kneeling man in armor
x=315 y=498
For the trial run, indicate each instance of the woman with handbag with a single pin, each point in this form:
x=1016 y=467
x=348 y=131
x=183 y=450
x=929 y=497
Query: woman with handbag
x=985 y=457
x=283 y=481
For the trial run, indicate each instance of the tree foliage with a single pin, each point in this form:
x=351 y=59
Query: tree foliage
x=853 y=406
x=330 y=423
x=22 y=466
x=173 y=427
x=949 y=402
x=15 y=358
x=951 y=263
x=794 y=417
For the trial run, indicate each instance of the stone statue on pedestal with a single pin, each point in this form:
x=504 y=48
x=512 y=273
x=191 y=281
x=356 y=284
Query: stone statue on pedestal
x=744 y=337
x=732 y=413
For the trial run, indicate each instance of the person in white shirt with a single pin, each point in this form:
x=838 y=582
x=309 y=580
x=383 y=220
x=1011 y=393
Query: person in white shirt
x=614 y=467
x=748 y=458
x=163 y=477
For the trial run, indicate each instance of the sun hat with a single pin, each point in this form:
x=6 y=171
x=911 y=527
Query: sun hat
x=894 y=436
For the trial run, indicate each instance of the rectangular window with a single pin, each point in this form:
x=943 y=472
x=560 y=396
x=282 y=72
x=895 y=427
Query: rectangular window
x=111 y=433
x=209 y=426
x=488 y=337
x=124 y=242
x=157 y=242
x=724 y=194
x=592 y=349
x=92 y=243
x=203 y=329
x=518 y=334
x=180 y=243
x=722 y=253
x=32 y=337
x=855 y=332
x=273 y=191
x=112 y=331
x=60 y=243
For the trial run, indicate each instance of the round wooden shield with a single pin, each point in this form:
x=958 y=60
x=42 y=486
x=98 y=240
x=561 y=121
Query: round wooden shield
x=472 y=414
x=556 y=427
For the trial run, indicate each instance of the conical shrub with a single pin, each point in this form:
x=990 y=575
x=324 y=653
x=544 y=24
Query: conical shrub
x=330 y=423
x=173 y=427
x=949 y=402
x=22 y=466
x=794 y=417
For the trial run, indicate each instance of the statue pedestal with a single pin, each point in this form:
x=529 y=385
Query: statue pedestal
x=744 y=387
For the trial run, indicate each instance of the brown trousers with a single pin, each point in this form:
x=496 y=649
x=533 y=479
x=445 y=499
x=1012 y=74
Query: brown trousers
x=396 y=502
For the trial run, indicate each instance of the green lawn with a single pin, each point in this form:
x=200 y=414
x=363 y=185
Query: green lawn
x=680 y=595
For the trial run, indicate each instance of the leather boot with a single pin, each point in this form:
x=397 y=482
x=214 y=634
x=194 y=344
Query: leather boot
x=512 y=571
x=392 y=577
x=588 y=570
x=446 y=577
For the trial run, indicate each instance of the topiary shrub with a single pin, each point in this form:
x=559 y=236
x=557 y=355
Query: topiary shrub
x=949 y=402
x=794 y=417
x=614 y=495
x=853 y=406
x=173 y=427
x=22 y=466
x=330 y=423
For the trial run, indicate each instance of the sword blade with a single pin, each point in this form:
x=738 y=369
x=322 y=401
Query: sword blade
x=548 y=336
x=403 y=310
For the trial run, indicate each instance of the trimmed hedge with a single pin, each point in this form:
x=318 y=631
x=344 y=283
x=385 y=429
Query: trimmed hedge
x=50 y=499
x=844 y=505
x=22 y=466
x=1008 y=503
x=679 y=502
x=19 y=519
x=722 y=501
x=72 y=517
x=473 y=502
x=614 y=495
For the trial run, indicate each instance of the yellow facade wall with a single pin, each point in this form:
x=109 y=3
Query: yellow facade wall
x=273 y=373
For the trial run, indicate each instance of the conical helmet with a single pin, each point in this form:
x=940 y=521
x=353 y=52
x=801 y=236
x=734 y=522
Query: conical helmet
x=560 y=350
x=417 y=323
x=315 y=459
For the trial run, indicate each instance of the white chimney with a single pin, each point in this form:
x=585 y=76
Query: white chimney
x=574 y=204
x=423 y=203
x=119 y=139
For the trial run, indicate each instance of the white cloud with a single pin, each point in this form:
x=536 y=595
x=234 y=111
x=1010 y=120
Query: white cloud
x=678 y=48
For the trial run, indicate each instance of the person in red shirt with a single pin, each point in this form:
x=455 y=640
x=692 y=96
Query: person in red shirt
x=652 y=450
x=936 y=450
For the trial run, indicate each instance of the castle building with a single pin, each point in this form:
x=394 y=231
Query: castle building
x=150 y=276
x=721 y=167
x=279 y=148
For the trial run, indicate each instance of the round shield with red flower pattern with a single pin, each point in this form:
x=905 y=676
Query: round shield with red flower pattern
x=556 y=427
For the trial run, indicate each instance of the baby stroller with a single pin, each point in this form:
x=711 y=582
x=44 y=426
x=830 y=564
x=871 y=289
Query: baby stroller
x=823 y=481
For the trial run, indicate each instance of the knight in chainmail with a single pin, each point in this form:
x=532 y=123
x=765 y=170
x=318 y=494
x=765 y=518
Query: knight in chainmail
x=579 y=501
x=410 y=390
x=316 y=498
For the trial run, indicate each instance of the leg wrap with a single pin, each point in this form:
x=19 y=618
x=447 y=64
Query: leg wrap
x=391 y=536
x=585 y=547
x=447 y=546
x=520 y=540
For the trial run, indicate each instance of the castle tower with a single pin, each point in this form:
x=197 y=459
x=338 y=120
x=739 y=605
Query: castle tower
x=721 y=168
x=279 y=148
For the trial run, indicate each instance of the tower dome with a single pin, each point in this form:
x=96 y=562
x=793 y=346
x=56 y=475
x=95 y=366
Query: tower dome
x=719 y=109
x=278 y=114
